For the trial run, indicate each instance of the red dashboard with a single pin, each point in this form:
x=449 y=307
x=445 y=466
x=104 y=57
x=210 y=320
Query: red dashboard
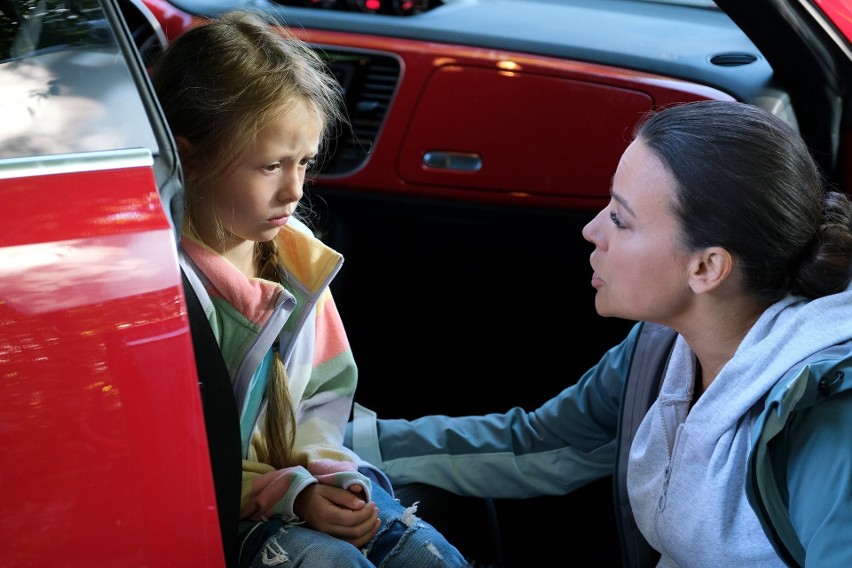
x=470 y=107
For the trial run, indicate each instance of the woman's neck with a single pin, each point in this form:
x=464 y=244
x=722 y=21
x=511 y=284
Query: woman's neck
x=715 y=338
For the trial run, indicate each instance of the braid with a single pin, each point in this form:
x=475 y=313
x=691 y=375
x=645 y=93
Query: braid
x=280 y=423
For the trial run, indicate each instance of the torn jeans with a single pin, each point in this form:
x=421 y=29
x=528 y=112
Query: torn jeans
x=403 y=541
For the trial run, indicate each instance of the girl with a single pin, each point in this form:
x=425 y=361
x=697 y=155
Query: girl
x=249 y=107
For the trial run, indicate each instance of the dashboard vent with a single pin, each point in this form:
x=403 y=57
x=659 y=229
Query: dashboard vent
x=733 y=59
x=369 y=82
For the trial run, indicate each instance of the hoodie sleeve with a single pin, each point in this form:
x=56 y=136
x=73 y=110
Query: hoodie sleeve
x=567 y=442
x=322 y=379
x=267 y=491
x=326 y=404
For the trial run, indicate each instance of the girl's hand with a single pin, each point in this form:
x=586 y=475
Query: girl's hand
x=358 y=491
x=338 y=512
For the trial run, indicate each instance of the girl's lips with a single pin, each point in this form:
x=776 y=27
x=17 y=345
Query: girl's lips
x=279 y=221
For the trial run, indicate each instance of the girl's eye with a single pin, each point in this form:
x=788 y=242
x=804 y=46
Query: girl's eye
x=272 y=167
x=308 y=162
x=615 y=220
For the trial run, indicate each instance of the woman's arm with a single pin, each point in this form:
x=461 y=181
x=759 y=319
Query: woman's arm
x=566 y=443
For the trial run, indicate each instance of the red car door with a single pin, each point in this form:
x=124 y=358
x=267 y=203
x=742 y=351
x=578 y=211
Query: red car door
x=103 y=454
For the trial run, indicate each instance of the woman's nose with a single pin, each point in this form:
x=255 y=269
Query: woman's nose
x=591 y=232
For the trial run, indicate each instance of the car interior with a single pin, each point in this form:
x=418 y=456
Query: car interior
x=482 y=139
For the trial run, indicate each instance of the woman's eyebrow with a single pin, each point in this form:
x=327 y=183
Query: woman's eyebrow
x=622 y=202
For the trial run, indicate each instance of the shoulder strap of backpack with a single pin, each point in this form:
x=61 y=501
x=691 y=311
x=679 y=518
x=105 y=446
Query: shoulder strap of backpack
x=650 y=357
x=221 y=420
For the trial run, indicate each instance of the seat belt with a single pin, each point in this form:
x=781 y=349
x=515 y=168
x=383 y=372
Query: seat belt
x=221 y=419
x=647 y=368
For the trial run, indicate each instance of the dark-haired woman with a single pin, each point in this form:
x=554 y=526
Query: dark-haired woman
x=719 y=230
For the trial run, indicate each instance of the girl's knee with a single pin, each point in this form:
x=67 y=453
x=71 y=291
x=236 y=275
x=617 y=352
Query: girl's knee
x=294 y=546
x=407 y=541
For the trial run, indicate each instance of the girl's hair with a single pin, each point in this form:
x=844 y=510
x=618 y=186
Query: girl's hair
x=219 y=84
x=746 y=181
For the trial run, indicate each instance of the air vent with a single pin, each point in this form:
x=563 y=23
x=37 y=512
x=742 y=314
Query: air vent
x=733 y=59
x=369 y=81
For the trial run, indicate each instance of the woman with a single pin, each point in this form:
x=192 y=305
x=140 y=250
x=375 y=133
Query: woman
x=720 y=229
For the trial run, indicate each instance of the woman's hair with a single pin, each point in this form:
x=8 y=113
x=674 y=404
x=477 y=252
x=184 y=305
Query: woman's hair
x=746 y=181
x=219 y=85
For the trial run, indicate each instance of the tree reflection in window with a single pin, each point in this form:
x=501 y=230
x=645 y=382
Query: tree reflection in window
x=27 y=26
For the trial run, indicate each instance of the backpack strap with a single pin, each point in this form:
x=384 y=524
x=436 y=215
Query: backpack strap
x=221 y=420
x=647 y=367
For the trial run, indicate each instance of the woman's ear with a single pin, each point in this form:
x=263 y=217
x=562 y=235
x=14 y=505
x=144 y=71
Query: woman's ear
x=709 y=268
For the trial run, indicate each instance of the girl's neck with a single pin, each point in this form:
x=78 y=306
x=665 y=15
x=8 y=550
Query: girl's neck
x=243 y=257
x=239 y=252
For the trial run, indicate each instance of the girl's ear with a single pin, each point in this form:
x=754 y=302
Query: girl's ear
x=709 y=269
x=185 y=151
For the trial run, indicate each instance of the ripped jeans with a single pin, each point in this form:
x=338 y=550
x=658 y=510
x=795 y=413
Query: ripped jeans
x=403 y=541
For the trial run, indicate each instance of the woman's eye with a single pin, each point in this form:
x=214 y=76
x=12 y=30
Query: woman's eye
x=615 y=220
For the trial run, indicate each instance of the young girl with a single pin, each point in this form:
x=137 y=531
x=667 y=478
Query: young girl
x=249 y=107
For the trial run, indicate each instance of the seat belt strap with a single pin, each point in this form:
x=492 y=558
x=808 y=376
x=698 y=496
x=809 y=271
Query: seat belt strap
x=221 y=421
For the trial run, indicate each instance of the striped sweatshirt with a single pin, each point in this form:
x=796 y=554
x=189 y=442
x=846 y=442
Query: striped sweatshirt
x=299 y=318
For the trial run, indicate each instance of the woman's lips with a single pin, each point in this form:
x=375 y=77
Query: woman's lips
x=597 y=282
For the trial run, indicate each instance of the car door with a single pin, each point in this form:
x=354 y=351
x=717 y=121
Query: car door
x=103 y=454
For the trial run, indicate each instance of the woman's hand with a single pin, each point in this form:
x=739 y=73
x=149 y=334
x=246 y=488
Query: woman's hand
x=338 y=512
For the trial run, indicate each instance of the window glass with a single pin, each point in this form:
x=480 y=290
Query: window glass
x=64 y=84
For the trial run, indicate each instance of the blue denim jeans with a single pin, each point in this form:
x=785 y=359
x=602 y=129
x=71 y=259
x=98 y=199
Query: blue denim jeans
x=403 y=541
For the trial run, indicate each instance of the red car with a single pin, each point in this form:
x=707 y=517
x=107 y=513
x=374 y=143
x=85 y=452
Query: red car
x=484 y=135
x=103 y=450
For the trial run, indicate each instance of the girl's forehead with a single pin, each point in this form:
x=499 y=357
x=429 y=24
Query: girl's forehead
x=295 y=105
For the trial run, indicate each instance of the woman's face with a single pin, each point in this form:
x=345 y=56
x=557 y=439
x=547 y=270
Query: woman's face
x=640 y=271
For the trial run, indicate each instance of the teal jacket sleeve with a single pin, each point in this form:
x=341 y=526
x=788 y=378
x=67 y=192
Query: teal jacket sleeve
x=819 y=480
x=567 y=442
x=800 y=469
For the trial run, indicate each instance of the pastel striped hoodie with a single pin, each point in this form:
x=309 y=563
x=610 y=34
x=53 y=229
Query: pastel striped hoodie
x=248 y=315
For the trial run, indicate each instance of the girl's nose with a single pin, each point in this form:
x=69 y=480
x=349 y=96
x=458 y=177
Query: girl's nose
x=292 y=186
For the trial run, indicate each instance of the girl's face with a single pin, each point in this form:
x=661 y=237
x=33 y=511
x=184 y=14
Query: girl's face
x=640 y=271
x=256 y=197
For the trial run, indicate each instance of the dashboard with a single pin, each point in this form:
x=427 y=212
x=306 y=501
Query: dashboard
x=389 y=7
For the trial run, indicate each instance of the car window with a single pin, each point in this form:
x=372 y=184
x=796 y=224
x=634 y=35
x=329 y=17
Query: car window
x=64 y=85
